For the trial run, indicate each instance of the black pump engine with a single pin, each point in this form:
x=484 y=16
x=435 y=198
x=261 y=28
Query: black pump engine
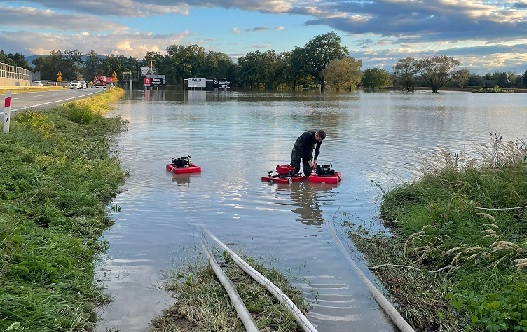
x=181 y=161
x=325 y=170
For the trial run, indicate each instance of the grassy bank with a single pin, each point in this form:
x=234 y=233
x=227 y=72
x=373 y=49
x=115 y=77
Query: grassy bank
x=456 y=256
x=203 y=305
x=57 y=181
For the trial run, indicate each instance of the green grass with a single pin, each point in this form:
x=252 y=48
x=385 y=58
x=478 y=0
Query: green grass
x=57 y=181
x=453 y=260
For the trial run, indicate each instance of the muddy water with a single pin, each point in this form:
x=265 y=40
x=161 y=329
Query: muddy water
x=375 y=140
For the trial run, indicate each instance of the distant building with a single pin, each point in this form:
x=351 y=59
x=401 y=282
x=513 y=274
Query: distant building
x=198 y=83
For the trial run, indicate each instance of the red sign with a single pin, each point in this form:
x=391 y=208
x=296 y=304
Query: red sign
x=7 y=102
x=146 y=81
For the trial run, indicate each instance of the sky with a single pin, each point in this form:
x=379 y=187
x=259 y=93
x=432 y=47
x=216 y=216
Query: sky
x=485 y=36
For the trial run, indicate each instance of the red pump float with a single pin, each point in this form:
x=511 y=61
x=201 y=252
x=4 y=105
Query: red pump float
x=182 y=165
x=283 y=174
x=325 y=174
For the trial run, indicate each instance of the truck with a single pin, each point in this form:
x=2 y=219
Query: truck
x=102 y=81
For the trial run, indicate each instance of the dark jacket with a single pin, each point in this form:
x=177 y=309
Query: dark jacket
x=305 y=144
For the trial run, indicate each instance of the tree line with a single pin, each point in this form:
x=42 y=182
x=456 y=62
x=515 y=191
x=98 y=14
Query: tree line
x=323 y=63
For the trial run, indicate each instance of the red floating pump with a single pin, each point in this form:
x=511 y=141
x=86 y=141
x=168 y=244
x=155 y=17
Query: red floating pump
x=182 y=165
x=325 y=174
x=285 y=169
x=283 y=174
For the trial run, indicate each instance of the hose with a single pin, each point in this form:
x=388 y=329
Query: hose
x=242 y=311
x=258 y=277
x=388 y=308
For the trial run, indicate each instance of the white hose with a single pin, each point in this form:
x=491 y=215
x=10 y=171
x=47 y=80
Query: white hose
x=284 y=299
x=242 y=311
x=388 y=308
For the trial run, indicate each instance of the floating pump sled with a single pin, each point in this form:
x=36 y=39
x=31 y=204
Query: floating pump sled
x=325 y=174
x=283 y=174
x=182 y=165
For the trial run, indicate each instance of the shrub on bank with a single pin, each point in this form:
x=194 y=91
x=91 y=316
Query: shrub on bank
x=57 y=180
x=456 y=258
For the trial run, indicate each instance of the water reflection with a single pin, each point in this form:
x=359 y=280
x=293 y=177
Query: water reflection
x=307 y=199
x=183 y=179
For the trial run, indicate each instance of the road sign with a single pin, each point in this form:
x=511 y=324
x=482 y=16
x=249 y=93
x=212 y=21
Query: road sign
x=158 y=81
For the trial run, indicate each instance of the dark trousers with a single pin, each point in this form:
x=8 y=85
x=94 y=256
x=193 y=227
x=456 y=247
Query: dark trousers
x=296 y=158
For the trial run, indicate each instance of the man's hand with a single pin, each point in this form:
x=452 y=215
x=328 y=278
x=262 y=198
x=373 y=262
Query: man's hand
x=312 y=164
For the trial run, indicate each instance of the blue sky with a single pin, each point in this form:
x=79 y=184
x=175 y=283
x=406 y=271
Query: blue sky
x=485 y=36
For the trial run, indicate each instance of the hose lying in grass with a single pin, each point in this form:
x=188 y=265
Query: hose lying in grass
x=272 y=288
x=388 y=308
x=236 y=301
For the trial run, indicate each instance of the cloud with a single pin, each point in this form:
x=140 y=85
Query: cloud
x=129 y=44
x=133 y=8
x=123 y=8
x=31 y=18
x=430 y=20
x=257 y=29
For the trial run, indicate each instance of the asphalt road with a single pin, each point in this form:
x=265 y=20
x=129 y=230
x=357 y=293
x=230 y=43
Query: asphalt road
x=47 y=99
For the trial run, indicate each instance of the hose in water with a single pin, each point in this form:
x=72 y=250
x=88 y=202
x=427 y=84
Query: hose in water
x=236 y=301
x=283 y=298
x=388 y=308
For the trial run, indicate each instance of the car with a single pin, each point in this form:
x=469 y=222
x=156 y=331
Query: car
x=84 y=84
x=75 y=85
x=37 y=83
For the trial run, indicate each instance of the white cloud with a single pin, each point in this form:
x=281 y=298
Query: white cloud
x=128 y=44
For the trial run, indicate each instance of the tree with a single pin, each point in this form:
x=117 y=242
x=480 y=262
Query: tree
x=183 y=62
x=320 y=51
x=250 y=69
x=71 y=64
x=461 y=77
x=298 y=70
x=15 y=60
x=343 y=74
x=118 y=64
x=92 y=65
x=50 y=65
x=405 y=73
x=376 y=78
x=475 y=81
x=219 y=65
x=437 y=70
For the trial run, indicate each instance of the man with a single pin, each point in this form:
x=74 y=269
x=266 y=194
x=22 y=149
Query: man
x=303 y=150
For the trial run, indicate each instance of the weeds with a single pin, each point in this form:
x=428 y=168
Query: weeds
x=57 y=180
x=457 y=257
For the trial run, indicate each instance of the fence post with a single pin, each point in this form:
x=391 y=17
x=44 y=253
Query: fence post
x=7 y=111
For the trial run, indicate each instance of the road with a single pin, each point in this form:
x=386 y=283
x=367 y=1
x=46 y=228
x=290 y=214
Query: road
x=46 y=99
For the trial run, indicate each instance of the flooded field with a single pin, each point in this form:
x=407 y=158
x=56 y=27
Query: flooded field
x=375 y=140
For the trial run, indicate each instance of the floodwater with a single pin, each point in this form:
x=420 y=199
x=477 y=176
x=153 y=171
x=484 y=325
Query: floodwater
x=377 y=141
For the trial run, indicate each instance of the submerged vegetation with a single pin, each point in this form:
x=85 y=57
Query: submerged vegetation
x=57 y=180
x=202 y=303
x=456 y=258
